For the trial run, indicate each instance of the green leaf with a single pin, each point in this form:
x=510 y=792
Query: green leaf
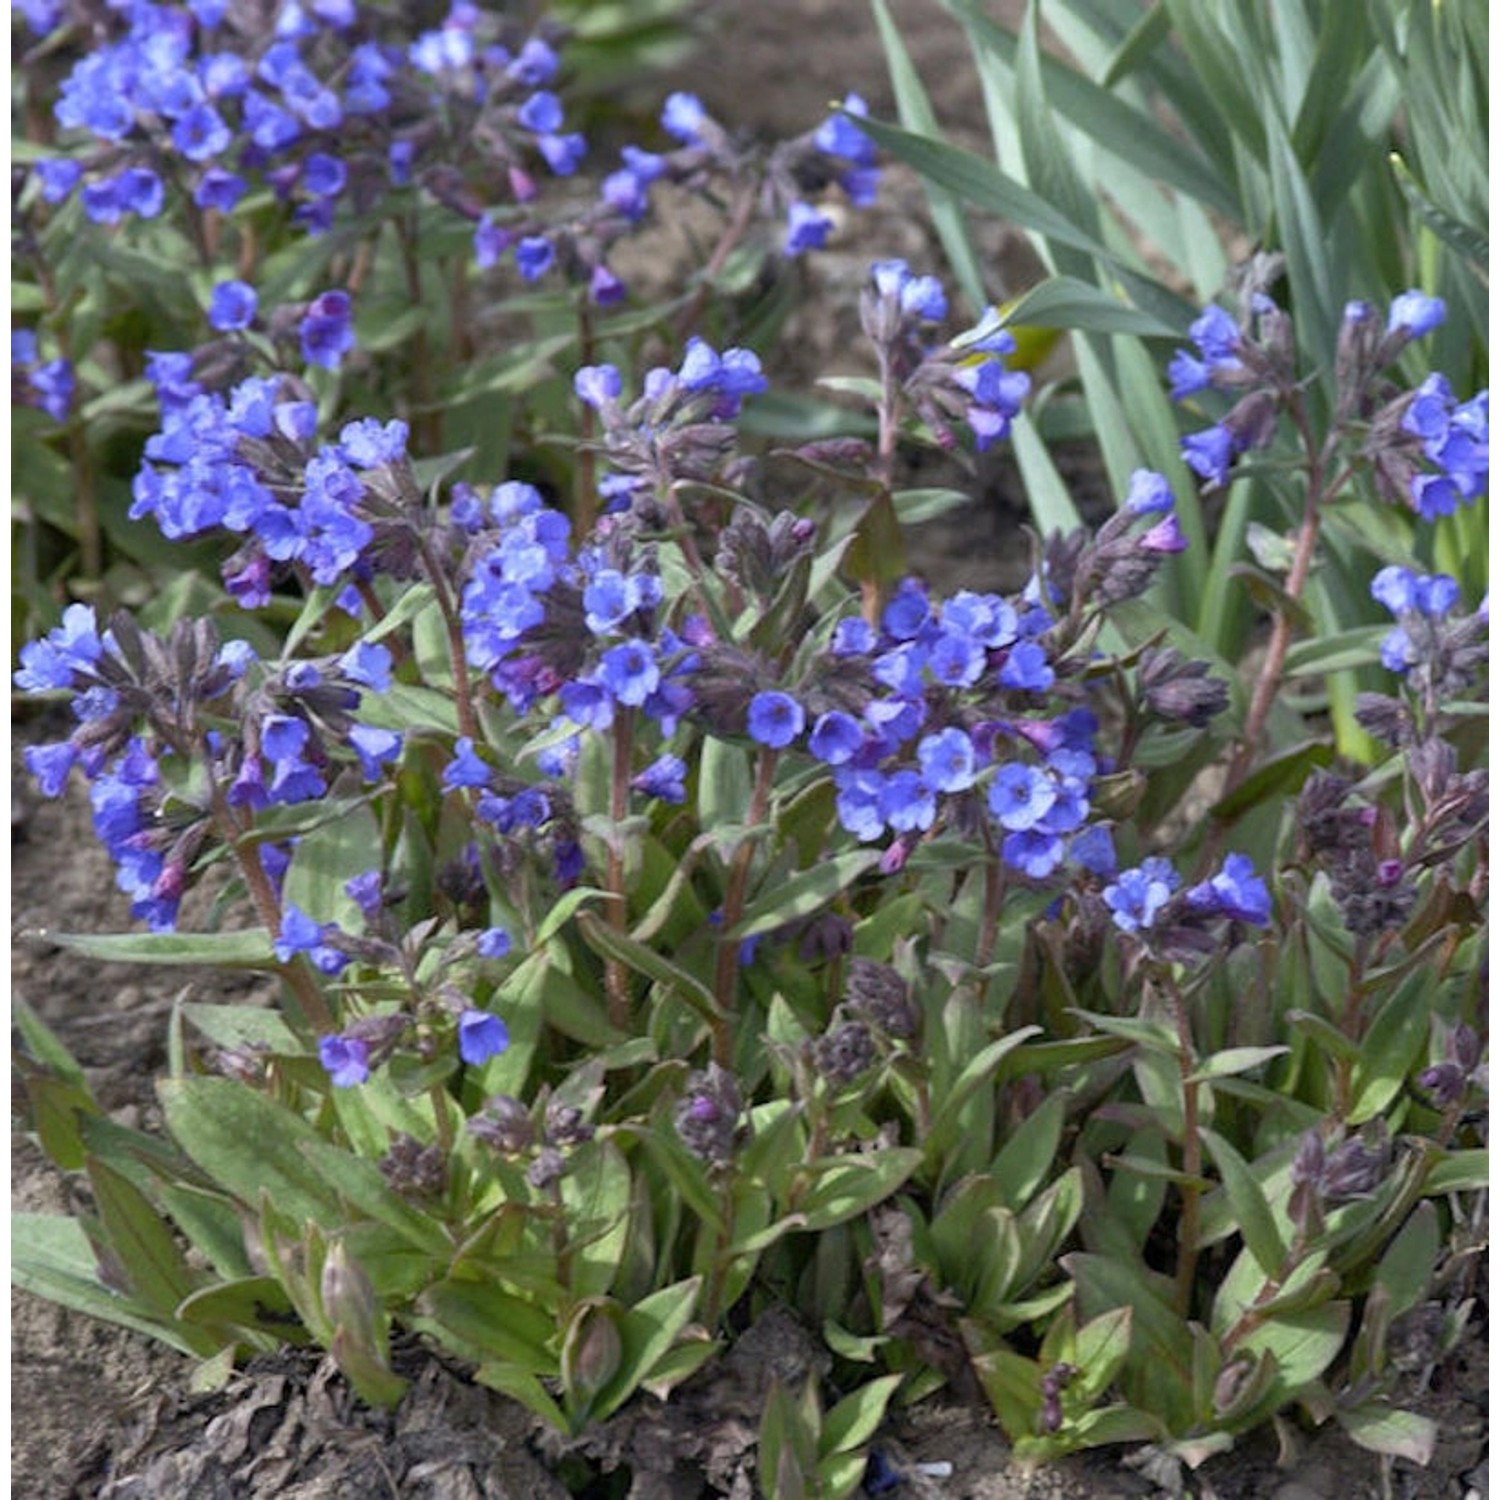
x=1066 y=302
x=1235 y=1060
x=1128 y=133
x=1392 y=1045
x=846 y=1186
x=1386 y=1429
x=804 y=893
x=1458 y=1172
x=853 y=1422
x=1339 y=652
x=1303 y=1344
x=1024 y=1161
x=488 y=1324
x=250 y=1146
x=147 y=1252
x=50 y=1256
x=643 y=960
x=1252 y=1211
x=980 y=184
x=647 y=1331
x=1286 y=769
x=228 y=1025
x=1406 y=1269
x=1469 y=240
x=248 y=948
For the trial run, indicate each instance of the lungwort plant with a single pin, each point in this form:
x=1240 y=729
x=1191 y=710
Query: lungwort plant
x=678 y=911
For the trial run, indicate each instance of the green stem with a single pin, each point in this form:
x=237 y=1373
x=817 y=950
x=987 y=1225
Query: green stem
x=616 y=977
x=468 y=722
x=726 y=969
x=309 y=1006
x=1192 y=1155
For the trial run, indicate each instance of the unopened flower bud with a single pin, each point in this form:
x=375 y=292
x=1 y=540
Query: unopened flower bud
x=504 y=1125
x=1178 y=690
x=708 y=1113
x=413 y=1169
x=878 y=994
x=845 y=1051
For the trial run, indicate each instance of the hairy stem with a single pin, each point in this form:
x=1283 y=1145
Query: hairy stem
x=468 y=722
x=307 y=999
x=727 y=965
x=616 y=978
x=1192 y=1155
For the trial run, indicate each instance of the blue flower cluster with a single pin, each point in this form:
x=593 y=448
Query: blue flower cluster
x=249 y=461
x=962 y=380
x=1427 y=426
x=1148 y=898
x=267 y=742
x=932 y=730
x=678 y=428
x=1421 y=604
x=544 y=620
x=1455 y=437
x=45 y=384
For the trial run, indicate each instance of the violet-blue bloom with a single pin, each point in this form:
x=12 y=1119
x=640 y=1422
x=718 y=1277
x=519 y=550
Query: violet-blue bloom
x=1236 y=892
x=774 y=719
x=1416 y=314
x=836 y=737
x=664 y=779
x=345 y=1059
x=493 y=942
x=481 y=1036
x=1020 y=795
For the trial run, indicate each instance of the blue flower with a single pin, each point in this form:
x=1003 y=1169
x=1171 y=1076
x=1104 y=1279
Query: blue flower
x=840 y=136
x=327 y=330
x=375 y=747
x=301 y=934
x=534 y=256
x=365 y=891
x=1415 y=314
x=1094 y=849
x=1236 y=892
x=836 y=737
x=907 y=803
x=1150 y=494
x=858 y=803
x=493 y=942
x=774 y=719
x=907 y=611
x=345 y=1059
x=1020 y=796
x=947 y=760
x=201 y=134
x=466 y=768
x=1209 y=453
x=684 y=117
x=232 y=305
x=481 y=1036
x=807 y=229
x=50 y=765
x=663 y=779
x=630 y=672
x=597 y=385
x=1033 y=852
x=542 y=113
x=1139 y=894
x=1026 y=666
